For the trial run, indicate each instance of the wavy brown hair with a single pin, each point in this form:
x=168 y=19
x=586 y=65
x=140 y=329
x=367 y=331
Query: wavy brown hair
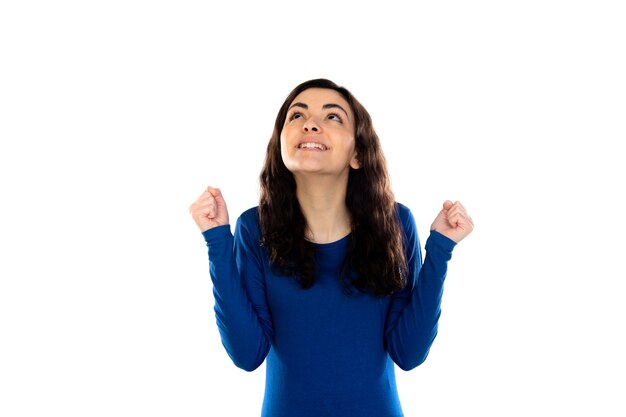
x=375 y=260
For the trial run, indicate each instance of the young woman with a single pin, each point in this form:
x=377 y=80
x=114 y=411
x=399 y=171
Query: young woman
x=324 y=279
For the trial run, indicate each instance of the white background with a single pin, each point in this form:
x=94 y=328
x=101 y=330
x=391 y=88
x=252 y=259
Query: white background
x=114 y=117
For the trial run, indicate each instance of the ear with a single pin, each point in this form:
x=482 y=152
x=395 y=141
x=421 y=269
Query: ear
x=354 y=162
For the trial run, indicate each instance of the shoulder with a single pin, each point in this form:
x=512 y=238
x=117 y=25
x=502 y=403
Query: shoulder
x=405 y=216
x=248 y=221
x=250 y=215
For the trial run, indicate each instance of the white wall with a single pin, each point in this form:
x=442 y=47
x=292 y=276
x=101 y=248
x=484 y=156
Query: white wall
x=114 y=117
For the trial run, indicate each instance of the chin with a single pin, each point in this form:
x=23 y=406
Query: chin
x=304 y=167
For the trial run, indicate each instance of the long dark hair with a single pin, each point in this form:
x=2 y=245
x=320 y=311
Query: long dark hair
x=375 y=260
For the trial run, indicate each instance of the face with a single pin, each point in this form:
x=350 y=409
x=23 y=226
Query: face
x=318 y=134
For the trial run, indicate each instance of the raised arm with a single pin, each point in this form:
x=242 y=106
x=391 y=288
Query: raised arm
x=236 y=272
x=413 y=316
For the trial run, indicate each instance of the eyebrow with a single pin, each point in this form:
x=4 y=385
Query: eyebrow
x=325 y=106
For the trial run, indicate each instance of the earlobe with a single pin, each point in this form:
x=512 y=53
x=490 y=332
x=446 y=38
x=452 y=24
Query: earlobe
x=354 y=163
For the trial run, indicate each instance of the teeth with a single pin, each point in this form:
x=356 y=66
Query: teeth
x=311 y=145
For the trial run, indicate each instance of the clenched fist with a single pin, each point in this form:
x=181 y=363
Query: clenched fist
x=209 y=210
x=453 y=221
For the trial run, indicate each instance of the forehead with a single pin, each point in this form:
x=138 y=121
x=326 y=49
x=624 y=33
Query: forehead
x=315 y=98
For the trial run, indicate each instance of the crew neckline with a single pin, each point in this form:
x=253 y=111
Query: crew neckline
x=330 y=245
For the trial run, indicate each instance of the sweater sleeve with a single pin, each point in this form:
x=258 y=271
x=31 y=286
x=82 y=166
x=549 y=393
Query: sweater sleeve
x=240 y=308
x=414 y=312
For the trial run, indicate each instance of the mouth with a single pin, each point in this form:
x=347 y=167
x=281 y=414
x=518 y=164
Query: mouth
x=312 y=146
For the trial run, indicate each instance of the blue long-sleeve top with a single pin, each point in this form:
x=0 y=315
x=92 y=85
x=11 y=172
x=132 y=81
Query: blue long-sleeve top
x=328 y=353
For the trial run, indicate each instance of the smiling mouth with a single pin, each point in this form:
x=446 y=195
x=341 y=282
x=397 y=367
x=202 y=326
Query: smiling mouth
x=312 y=145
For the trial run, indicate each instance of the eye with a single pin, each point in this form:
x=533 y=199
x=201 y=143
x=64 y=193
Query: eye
x=335 y=116
x=295 y=115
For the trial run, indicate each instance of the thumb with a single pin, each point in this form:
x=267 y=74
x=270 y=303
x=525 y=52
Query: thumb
x=447 y=205
x=217 y=195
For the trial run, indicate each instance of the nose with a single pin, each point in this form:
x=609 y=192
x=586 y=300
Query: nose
x=310 y=125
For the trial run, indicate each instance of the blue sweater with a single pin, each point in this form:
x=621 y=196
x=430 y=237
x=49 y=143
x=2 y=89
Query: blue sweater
x=328 y=353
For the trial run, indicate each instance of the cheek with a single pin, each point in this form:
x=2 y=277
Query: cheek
x=283 y=143
x=351 y=143
x=286 y=151
x=288 y=137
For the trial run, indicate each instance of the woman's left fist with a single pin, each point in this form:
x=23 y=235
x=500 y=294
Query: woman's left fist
x=453 y=221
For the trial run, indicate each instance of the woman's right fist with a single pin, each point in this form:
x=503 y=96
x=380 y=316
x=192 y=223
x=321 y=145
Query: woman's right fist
x=209 y=210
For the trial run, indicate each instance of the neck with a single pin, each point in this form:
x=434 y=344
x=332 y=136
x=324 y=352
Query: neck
x=323 y=203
